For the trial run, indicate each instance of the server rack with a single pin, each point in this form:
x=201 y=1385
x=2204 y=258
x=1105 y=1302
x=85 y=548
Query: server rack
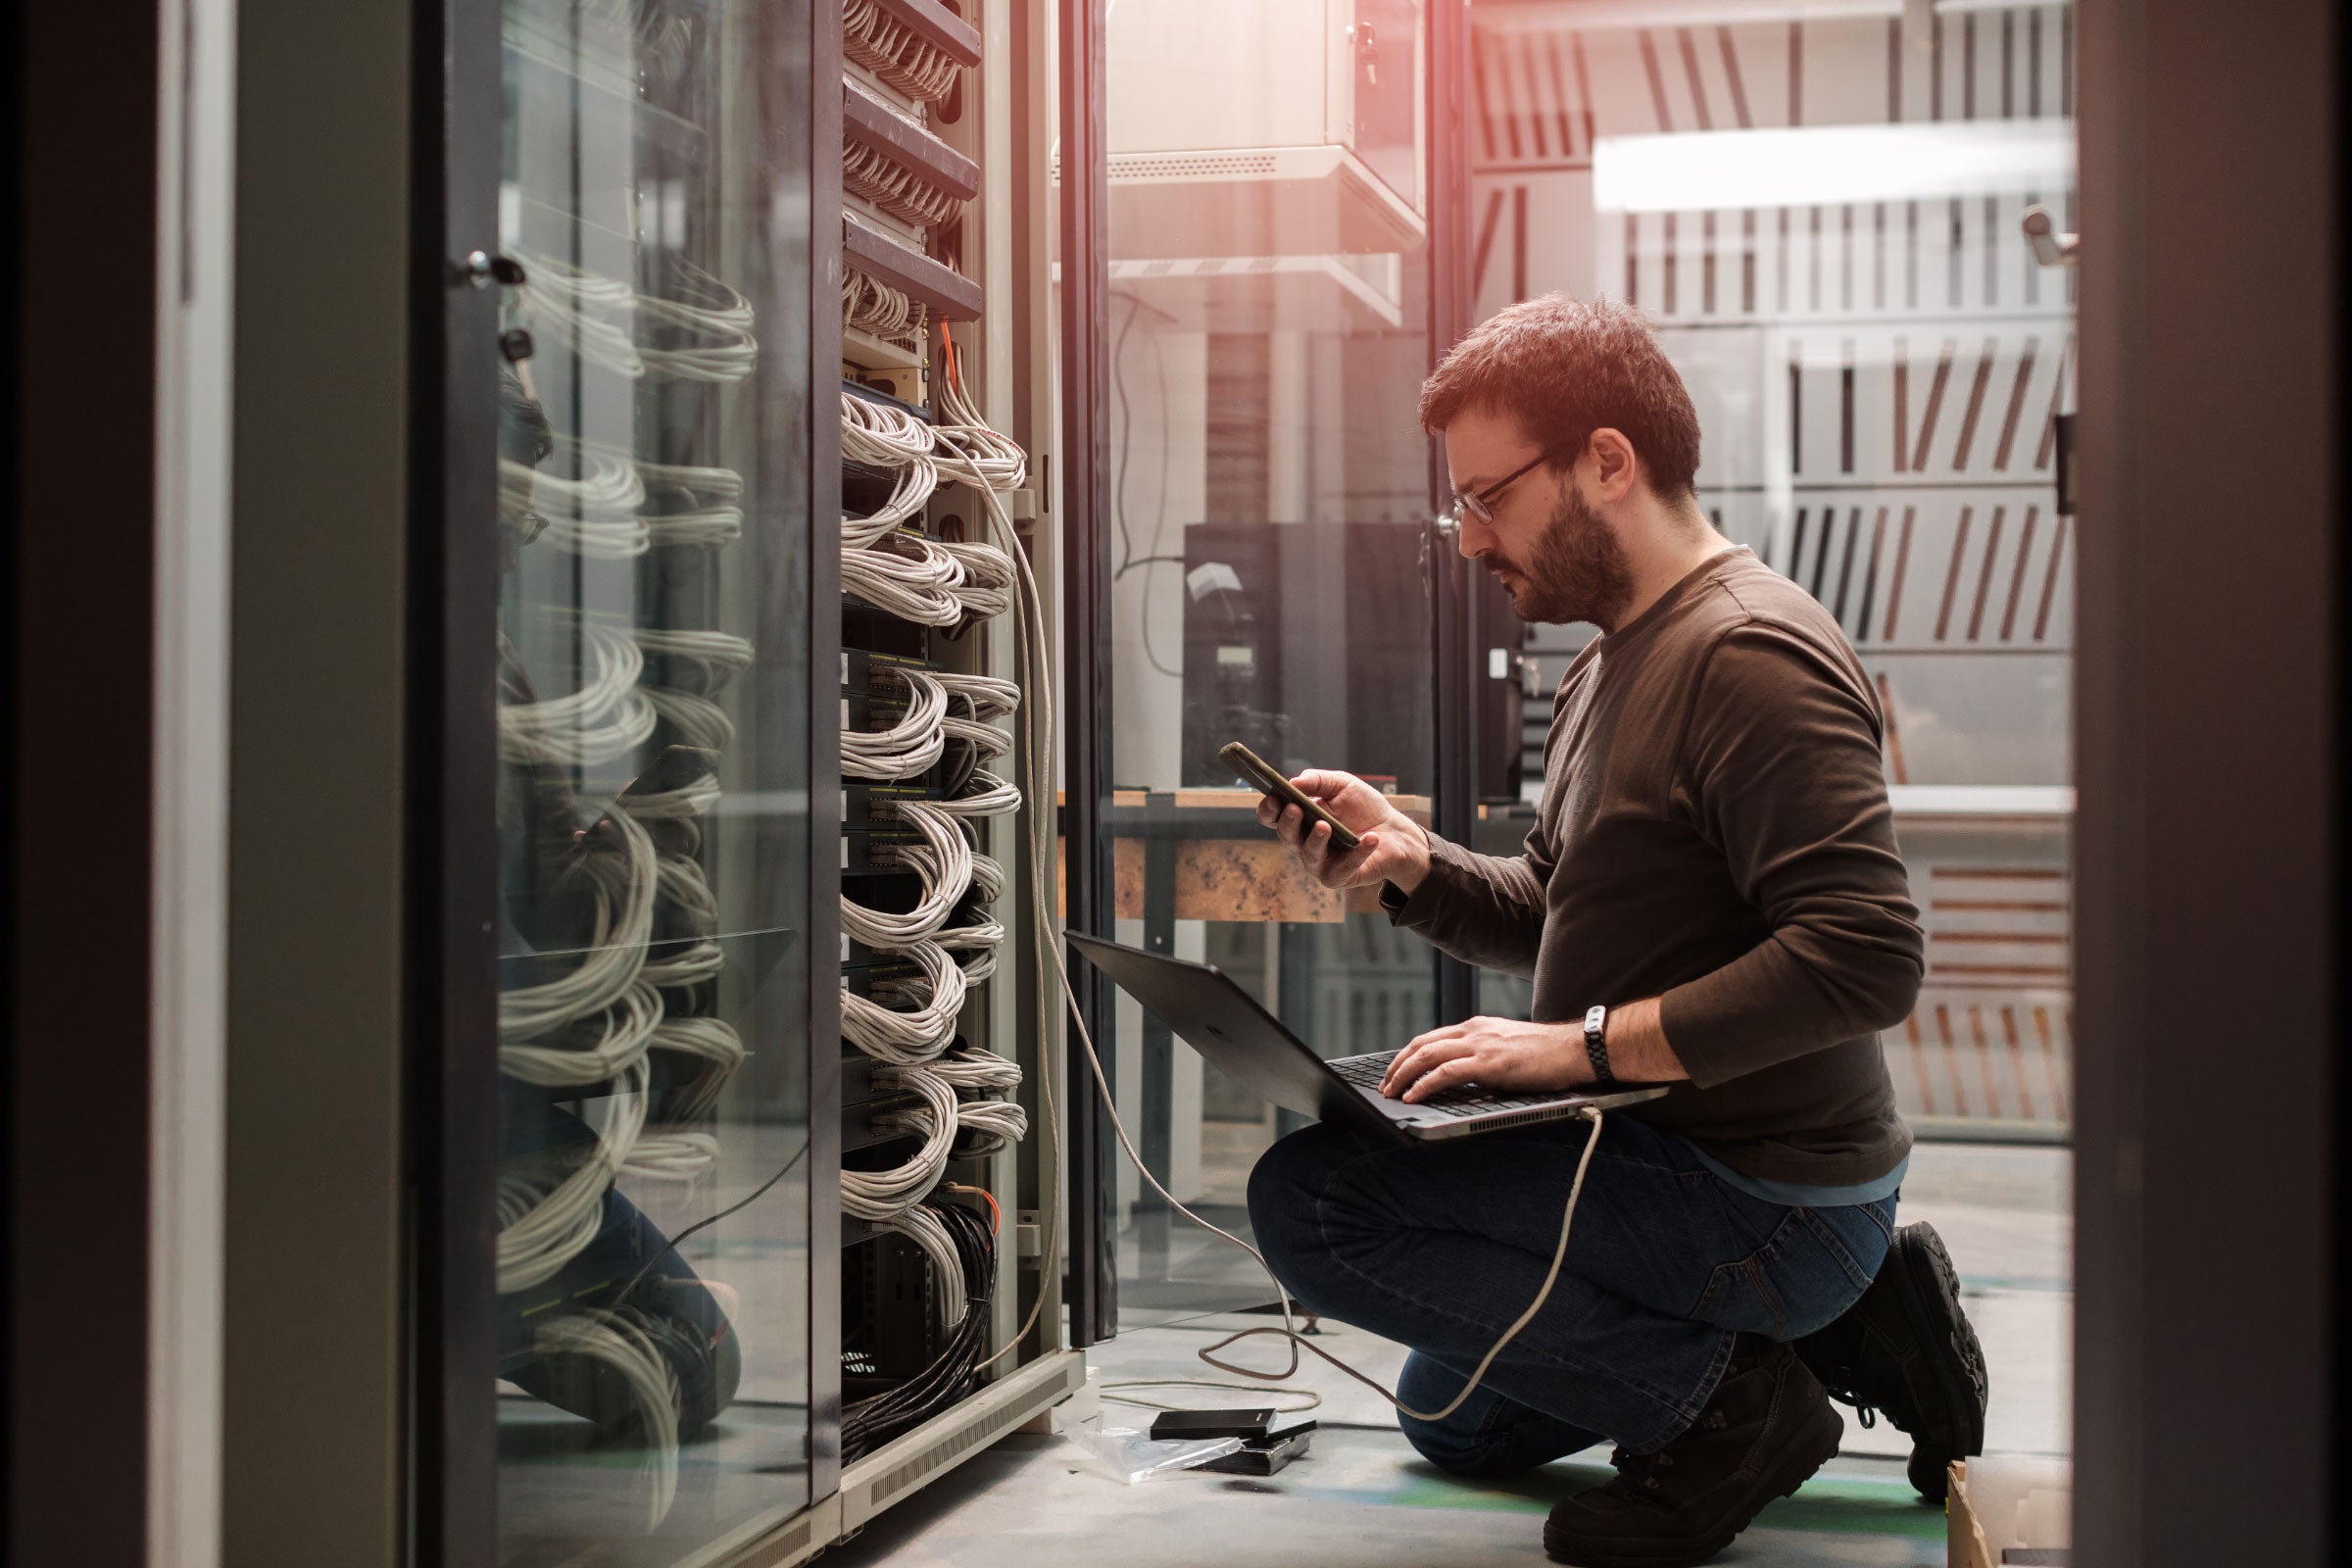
x=713 y=1162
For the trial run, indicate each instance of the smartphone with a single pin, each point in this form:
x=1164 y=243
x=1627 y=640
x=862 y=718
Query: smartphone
x=1257 y=770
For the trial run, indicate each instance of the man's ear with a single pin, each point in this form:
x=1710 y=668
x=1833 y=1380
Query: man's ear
x=1613 y=464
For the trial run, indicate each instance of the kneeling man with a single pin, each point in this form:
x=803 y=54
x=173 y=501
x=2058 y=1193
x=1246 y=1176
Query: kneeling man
x=1711 y=898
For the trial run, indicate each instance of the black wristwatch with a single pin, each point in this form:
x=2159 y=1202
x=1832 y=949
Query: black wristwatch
x=1596 y=1044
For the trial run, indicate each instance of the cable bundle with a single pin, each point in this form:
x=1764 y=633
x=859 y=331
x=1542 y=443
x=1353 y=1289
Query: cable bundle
x=596 y=318
x=881 y=1195
x=620 y=1342
x=902 y=192
x=910 y=746
x=594 y=517
x=709 y=513
x=908 y=576
x=964 y=1271
x=605 y=718
x=869 y=305
x=986 y=1122
x=920 y=70
x=945 y=862
x=915 y=1034
x=548 y=1215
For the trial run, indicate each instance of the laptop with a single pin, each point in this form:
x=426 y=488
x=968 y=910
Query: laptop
x=1216 y=1017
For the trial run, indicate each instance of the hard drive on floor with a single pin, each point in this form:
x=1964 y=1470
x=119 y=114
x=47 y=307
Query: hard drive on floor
x=1262 y=1456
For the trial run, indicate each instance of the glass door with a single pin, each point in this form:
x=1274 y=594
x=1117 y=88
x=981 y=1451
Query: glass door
x=1272 y=563
x=653 y=921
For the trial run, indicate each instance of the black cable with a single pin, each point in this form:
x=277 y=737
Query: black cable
x=869 y=1423
x=639 y=1277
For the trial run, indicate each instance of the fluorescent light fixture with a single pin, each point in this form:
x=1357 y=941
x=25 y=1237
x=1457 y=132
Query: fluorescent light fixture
x=1827 y=165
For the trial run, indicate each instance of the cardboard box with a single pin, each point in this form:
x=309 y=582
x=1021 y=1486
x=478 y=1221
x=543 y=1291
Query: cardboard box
x=2011 y=1510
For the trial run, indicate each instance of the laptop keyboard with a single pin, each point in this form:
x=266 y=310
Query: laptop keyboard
x=1365 y=1072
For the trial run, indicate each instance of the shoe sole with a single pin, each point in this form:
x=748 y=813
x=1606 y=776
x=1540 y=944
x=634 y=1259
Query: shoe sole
x=1815 y=1446
x=1928 y=1288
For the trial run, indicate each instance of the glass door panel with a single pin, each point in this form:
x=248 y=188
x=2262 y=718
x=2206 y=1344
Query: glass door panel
x=653 y=799
x=1271 y=554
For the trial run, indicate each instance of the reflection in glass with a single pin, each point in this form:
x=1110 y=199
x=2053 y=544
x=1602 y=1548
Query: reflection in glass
x=1270 y=551
x=652 y=1195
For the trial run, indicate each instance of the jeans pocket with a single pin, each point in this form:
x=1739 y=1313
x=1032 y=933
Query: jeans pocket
x=1741 y=1296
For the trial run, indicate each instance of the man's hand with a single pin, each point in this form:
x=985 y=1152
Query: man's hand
x=1513 y=1053
x=1393 y=846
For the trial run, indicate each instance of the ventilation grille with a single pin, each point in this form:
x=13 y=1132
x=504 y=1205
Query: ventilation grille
x=945 y=1452
x=1189 y=166
x=780 y=1548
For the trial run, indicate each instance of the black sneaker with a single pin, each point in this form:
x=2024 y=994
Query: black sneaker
x=1906 y=1349
x=1768 y=1427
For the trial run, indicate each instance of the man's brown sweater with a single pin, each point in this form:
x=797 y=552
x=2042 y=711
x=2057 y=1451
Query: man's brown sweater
x=1715 y=832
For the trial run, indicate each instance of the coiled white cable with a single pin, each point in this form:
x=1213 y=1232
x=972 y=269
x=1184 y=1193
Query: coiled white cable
x=908 y=576
x=879 y=1195
x=986 y=796
x=672 y=1158
x=987 y=590
x=990 y=697
x=697 y=721
x=544 y=1225
x=595 y=317
x=944 y=860
x=710 y=515
x=715 y=658
x=624 y=886
x=613 y=1340
x=606 y=717
x=988 y=878
x=908 y=747
x=712 y=1040
x=623 y=1034
x=703 y=960
x=915 y=1035
x=595 y=517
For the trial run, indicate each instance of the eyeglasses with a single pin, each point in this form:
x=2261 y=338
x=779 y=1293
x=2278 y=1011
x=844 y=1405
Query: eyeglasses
x=1481 y=505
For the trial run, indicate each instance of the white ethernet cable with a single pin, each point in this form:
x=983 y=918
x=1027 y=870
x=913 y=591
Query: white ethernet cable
x=907 y=576
x=880 y=1195
x=916 y=1035
x=613 y=1340
x=908 y=747
x=714 y=1040
x=625 y=1032
x=710 y=515
x=986 y=796
x=716 y=657
x=543 y=1226
x=624 y=886
x=595 y=517
x=672 y=1157
x=595 y=317
x=944 y=860
x=987 y=590
x=698 y=720
x=606 y=717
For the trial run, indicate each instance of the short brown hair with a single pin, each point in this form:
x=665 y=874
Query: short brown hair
x=1566 y=367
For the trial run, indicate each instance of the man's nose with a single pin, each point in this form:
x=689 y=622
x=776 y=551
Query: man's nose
x=1473 y=538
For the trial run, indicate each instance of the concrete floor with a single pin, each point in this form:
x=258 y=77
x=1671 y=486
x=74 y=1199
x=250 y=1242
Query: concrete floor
x=1362 y=1497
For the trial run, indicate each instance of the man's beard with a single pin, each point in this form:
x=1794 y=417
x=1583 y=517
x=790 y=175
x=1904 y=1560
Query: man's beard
x=1576 y=571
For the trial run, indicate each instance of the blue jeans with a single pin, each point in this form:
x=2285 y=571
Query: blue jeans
x=1443 y=1246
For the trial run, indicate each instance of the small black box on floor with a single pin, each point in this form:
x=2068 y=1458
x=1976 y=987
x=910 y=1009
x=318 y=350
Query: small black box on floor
x=1262 y=1456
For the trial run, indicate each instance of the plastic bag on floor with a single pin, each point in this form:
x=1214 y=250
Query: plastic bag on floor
x=1134 y=1455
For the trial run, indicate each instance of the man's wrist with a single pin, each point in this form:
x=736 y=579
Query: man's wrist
x=1413 y=838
